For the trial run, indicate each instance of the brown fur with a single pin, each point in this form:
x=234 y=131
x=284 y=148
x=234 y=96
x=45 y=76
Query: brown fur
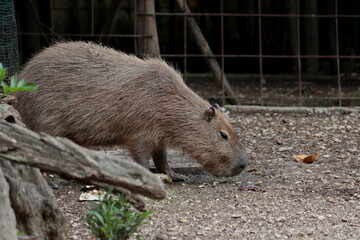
x=97 y=96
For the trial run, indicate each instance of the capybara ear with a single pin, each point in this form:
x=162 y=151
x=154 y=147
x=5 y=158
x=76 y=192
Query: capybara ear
x=209 y=114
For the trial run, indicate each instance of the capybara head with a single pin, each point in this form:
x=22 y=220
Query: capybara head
x=216 y=145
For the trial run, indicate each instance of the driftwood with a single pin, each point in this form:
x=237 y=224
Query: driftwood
x=31 y=198
x=206 y=50
x=7 y=216
x=62 y=156
x=33 y=202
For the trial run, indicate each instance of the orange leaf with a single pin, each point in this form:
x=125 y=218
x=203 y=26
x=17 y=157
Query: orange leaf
x=306 y=158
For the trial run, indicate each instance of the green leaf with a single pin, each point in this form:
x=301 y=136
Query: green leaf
x=27 y=87
x=98 y=216
x=3 y=72
x=6 y=88
x=21 y=83
x=32 y=86
x=13 y=82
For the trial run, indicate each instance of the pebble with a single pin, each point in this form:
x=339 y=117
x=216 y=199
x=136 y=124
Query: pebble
x=281 y=219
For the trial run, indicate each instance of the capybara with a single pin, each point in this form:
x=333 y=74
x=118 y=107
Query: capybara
x=97 y=96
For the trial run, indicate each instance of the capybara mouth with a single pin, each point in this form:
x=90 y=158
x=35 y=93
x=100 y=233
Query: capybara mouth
x=233 y=170
x=230 y=172
x=238 y=169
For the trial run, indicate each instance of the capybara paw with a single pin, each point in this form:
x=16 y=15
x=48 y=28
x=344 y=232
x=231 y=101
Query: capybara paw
x=177 y=177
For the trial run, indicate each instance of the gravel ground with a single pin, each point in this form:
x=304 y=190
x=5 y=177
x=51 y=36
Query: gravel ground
x=276 y=198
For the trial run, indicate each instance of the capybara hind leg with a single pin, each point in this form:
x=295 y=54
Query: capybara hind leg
x=160 y=159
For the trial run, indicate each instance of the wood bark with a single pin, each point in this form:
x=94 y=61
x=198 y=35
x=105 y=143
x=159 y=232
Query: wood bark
x=62 y=156
x=146 y=25
x=7 y=215
x=33 y=202
x=206 y=50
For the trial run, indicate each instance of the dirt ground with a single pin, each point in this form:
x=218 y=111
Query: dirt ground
x=276 y=198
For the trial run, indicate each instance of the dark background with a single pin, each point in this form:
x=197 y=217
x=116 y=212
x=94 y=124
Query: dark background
x=241 y=33
x=293 y=52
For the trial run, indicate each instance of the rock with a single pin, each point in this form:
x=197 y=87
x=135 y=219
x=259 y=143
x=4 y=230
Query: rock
x=161 y=237
x=282 y=149
x=281 y=219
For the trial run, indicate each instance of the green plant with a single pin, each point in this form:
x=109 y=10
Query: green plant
x=15 y=84
x=112 y=218
x=20 y=233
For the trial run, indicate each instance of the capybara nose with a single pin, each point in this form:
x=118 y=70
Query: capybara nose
x=239 y=168
x=241 y=163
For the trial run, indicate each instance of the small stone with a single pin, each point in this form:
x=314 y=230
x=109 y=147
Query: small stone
x=300 y=234
x=173 y=233
x=281 y=219
x=282 y=149
x=75 y=225
x=277 y=235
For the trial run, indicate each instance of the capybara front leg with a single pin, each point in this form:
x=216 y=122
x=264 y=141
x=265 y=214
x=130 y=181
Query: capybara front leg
x=140 y=155
x=160 y=159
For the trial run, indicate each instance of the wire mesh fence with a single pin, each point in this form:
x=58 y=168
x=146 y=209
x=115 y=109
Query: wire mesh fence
x=9 y=56
x=300 y=53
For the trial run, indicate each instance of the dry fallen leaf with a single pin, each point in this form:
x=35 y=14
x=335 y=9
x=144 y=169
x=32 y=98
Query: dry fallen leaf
x=182 y=220
x=93 y=195
x=306 y=158
x=251 y=170
x=164 y=177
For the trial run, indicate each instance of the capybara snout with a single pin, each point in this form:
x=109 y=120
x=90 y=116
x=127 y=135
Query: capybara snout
x=239 y=166
x=98 y=96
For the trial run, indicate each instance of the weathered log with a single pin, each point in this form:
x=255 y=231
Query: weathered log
x=206 y=50
x=33 y=202
x=62 y=156
x=7 y=216
x=7 y=111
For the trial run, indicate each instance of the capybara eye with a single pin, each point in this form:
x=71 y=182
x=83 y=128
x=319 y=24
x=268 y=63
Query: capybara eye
x=224 y=135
